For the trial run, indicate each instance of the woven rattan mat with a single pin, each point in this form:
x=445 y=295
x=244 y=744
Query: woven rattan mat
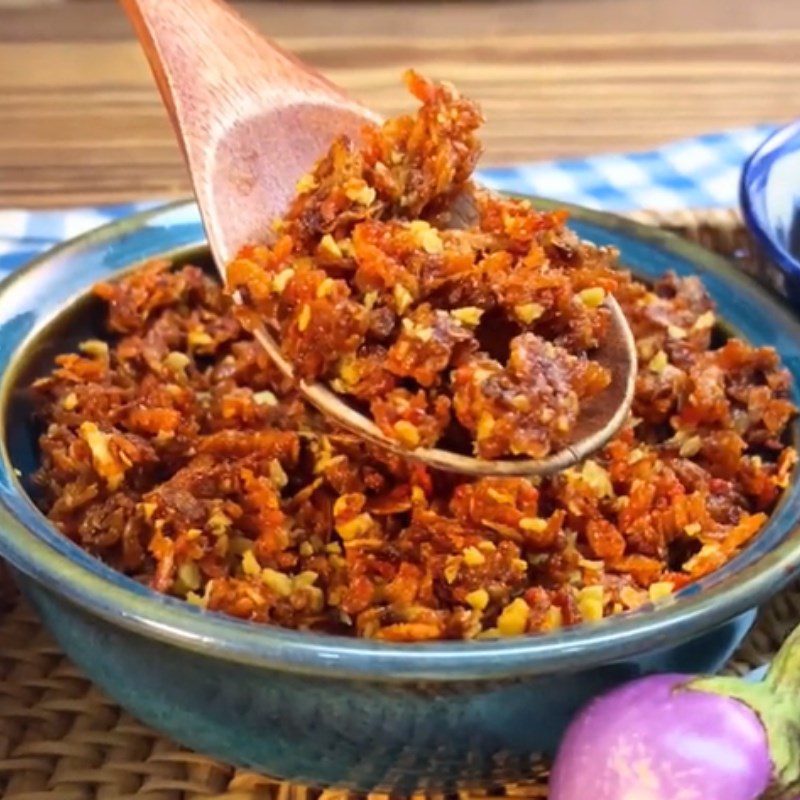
x=62 y=739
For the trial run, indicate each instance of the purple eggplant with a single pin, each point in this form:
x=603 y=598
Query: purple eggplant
x=678 y=737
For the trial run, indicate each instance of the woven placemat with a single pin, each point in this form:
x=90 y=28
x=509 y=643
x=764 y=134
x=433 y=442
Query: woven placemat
x=62 y=739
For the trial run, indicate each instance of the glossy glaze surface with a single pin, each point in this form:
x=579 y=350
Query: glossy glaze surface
x=770 y=199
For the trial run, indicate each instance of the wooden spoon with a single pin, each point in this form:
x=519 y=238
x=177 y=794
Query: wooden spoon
x=252 y=120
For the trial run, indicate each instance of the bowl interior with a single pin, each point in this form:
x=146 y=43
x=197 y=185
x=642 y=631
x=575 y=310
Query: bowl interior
x=42 y=316
x=82 y=319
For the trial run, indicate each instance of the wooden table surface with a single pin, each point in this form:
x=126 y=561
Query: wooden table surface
x=80 y=121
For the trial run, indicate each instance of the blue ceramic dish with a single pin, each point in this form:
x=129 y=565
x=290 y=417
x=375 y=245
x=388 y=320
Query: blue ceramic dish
x=332 y=710
x=770 y=200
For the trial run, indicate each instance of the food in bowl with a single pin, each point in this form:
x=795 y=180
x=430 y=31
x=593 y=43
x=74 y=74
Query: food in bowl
x=175 y=452
x=477 y=334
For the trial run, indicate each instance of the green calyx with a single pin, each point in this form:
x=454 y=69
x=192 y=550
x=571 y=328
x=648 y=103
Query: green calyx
x=776 y=702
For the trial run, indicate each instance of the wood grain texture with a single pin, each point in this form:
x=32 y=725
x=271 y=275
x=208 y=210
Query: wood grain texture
x=82 y=122
x=251 y=119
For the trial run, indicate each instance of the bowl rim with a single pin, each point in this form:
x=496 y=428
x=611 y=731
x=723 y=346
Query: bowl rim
x=752 y=183
x=35 y=548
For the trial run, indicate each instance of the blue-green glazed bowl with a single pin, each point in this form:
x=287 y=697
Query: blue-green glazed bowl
x=330 y=710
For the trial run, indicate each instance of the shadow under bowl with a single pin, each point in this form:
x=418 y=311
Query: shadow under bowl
x=330 y=710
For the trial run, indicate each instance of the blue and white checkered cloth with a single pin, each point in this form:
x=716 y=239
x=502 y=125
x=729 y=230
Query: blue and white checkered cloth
x=692 y=173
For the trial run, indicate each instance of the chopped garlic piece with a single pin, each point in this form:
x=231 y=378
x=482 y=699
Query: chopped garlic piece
x=590 y=603
x=553 y=619
x=177 y=362
x=660 y=590
x=407 y=433
x=189 y=575
x=432 y=243
x=265 y=398
x=219 y=523
x=424 y=334
x=358 y=191
x=329 y=246
x=468 y=315
x=597 y=478
x=303 y=318
x=705 y=320
x=354 y=528
x=478 y=599
x=281 y=280
x=402 y=298
x=676 y=332
x=632 y=598
x=451 y=568
x=528 y=312
x=485 y=426
x=658 y=363
x=691 y=447
x=306 y=578
x=418 y=226
x=592 y=297
x=94 y=348
x=277 y=474
x=326 y=286
x=370 y=298
x=535 y=524
x=198 y=338
x=250 y=565
x=306 y=184
x=473 y=557
x=514 y=618
x=500 y=497
x=103 y=461
x=692 y=529
x=340 y=505
x=276 y=581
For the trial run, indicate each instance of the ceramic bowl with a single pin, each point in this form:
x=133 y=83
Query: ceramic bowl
x=331 y=710
x=770 y=201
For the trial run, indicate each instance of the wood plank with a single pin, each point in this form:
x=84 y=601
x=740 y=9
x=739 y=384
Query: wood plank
x=67 y=20
x=81 y=121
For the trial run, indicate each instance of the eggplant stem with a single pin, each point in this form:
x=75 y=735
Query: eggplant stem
x=779 y=714
x=784 y=672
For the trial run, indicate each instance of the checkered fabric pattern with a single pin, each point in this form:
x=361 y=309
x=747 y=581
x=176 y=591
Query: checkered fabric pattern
x=702 y=172
x=691 y=173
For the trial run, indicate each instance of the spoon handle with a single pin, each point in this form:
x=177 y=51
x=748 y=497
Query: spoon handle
x=251 y=118
x=199 y=50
